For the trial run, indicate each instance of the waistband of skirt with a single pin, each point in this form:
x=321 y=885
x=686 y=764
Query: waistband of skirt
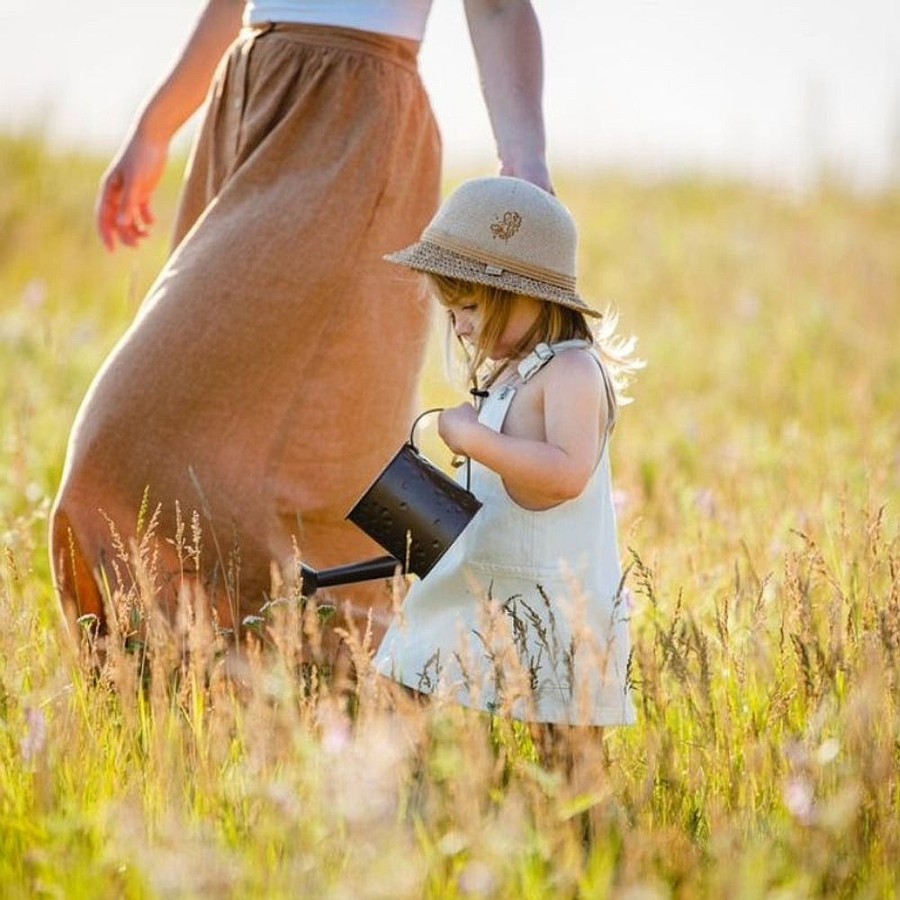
x=401 y=51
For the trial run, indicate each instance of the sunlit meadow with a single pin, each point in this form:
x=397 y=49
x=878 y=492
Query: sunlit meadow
x=757 y=478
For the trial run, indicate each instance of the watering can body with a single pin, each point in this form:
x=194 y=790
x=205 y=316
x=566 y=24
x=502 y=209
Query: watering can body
x=413 y=510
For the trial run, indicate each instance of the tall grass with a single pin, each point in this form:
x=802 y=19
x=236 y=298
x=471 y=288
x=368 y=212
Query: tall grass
x=758 y=477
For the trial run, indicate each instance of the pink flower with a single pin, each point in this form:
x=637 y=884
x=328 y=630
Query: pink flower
x=35 y=739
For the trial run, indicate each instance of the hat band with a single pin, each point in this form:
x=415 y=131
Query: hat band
x=538 y=273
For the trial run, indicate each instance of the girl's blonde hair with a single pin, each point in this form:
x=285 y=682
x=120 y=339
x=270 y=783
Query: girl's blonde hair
x=554 y=323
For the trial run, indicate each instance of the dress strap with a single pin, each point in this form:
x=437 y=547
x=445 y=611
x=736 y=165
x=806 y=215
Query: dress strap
x=495 y=407
x=542 y=354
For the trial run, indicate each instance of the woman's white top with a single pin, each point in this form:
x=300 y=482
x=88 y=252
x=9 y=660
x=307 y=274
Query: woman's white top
x=525 y=614
x=401 y=18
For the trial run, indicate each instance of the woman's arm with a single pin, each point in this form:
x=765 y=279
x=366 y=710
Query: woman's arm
x=506 y=38
x=123 y=205
x=539 y=474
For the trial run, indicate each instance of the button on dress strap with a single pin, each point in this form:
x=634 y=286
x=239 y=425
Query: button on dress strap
x=535 y=361
x=542 y=354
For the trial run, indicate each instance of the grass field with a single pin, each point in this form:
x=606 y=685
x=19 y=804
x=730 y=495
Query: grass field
x=758 y=478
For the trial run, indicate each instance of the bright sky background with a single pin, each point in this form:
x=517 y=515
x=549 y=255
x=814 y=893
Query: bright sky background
x=774 y=89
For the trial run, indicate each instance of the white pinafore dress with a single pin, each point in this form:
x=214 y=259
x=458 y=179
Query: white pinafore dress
x=524 y=615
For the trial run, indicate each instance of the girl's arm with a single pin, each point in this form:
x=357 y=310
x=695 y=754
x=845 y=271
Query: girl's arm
x=506 y=38
x=123 y=205
x=540 y=474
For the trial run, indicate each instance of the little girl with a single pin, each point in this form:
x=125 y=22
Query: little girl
x=524 y=615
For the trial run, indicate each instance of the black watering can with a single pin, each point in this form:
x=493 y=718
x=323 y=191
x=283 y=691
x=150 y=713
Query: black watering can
x=413 y=510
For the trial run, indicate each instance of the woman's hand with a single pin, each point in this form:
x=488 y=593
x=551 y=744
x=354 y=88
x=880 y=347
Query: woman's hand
x=456 y=426
x=533 y=170
x=123 y=205
x=506 y=37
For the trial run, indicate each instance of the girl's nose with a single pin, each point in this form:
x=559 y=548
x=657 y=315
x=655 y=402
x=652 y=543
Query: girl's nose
x=462 y=324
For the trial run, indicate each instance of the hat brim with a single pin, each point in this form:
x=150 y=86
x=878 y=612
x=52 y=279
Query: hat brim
x=424 y=256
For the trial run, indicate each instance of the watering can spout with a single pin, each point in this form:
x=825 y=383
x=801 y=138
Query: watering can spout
x=368 y=570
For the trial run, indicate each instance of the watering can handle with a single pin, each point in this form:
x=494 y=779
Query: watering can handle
x=415 y=424
x=412 y=442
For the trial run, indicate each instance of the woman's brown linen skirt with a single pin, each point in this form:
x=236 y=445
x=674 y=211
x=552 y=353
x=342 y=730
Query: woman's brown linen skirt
x=271 y=371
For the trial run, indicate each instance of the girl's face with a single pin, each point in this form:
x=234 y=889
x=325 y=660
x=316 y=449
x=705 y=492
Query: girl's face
x=468 y=320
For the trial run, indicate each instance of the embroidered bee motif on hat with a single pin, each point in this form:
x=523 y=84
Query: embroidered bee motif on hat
x=506 y=227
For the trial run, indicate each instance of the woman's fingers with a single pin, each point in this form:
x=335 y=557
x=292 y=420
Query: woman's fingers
x=147 y=216
x=121 y=217
x=123 y=209
x=534 y=171
x=130 y=223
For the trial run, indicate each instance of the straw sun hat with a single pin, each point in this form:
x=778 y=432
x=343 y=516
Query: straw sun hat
x=503 y=232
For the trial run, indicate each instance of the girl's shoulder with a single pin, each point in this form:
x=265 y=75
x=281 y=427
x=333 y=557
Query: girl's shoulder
x=571 y=371
x=574 y=364
x=575 y=379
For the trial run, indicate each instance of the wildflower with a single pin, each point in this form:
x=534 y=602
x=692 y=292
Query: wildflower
x=35 y=740
x=800 y=799
x=828 y=751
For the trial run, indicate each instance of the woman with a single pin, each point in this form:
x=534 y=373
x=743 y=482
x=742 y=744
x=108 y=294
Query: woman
x=271 y=371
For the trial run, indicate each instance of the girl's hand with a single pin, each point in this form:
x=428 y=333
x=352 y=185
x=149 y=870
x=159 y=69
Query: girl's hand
x=123 y=211
x=457 y=425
